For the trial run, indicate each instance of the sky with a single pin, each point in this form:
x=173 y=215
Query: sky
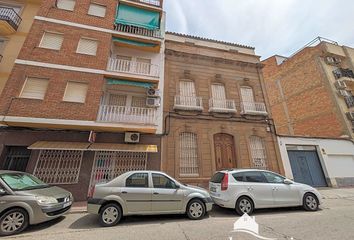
x=271 y=26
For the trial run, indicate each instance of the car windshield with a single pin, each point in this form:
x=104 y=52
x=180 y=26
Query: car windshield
x=22 y=181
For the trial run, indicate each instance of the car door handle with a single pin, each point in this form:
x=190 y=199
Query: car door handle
x=275 y=189
x=124 y=192
x=156 y=193
x=250 y=188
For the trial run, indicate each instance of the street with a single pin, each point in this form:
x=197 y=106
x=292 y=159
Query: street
x=335 y=220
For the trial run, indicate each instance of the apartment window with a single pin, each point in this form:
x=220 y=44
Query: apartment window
x=218 y=91
x=52 y=41
x=34 y=88
x=75 y=92
x=247 y=95
x=87 y=46
x=188 y=155
x=66 y=4
x=59 y=166
x=97 y=10
x=258 y=152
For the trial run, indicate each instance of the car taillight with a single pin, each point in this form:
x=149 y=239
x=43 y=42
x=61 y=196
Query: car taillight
x=225 y=182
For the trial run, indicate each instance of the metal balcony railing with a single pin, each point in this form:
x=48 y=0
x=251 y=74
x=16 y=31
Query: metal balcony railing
x=124 y=114
x=188 y=103
x=340 y=72
x=127 y=66
x=10 y=16
x=222 y=105
x=256 y=108
x=138 y=30
x=349 y=100
x=156 y=3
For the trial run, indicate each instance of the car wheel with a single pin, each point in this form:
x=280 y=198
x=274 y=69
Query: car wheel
x=110 y=215
x=13 y=221
x=244 y=205
x=195 y=209
x=310 y=202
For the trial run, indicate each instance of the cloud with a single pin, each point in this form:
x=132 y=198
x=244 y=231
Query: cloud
x=272 y=26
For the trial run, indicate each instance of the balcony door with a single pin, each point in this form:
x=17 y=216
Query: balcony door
x=187 y=93
x=248 y=99
x=218 y=96
x=224 y=151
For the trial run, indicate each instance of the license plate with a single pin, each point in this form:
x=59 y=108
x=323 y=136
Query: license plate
x=66 y=204
x=212 y=189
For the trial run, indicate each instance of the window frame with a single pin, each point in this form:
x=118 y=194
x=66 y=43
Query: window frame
x=242 y=175
x=65 y=9
x=24 y=85
x=159 y=174
x=97 y=4
x=51 y=32
x=265 y=172
x=88 y=54
x=195 y=136
x=147 y=178
x=66 y=88
x=251 y=153
x=261 y=173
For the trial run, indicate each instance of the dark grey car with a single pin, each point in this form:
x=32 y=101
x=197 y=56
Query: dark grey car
x=24 y=200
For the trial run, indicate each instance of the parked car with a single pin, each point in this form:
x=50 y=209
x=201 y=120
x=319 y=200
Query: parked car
x=24 y=200
x=146 y=193
x=247 y=189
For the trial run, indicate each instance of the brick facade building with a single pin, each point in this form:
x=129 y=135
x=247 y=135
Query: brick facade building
x=216 y=110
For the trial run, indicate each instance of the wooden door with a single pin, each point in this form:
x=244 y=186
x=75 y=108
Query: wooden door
x=224 y=151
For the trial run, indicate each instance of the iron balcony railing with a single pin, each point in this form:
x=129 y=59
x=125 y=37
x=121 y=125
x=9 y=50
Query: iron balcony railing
x=221 y=105
x=156 y=3
x=340 y=72
x=257 y=108
x=188 y=103
x=138 y=68
x=124 y=114
x=10 y=16
x=138 y=30
x=349 y=100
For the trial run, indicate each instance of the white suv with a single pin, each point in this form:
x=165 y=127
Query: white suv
x=249 y=189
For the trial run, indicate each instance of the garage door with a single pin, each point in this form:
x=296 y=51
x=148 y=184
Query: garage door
x=306 y=168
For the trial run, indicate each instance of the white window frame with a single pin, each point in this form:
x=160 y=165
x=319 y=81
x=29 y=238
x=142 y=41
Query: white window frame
x=66 y=88
x=100 y=5
x=188 y=159
x=24 y=85
x=66 y=9
x=258 y=153
x=50 y=32
x=86 y=38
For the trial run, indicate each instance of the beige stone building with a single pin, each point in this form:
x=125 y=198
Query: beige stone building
x=16 y=19
x=216 y=112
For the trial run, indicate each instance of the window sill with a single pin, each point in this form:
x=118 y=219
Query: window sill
x=79 y=103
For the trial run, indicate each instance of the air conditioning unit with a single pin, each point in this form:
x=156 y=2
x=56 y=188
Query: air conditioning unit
x=153 y=102
x=132 y=137
x=152 y=92
x=340 y=84
x=350 y=115
x=344 y=93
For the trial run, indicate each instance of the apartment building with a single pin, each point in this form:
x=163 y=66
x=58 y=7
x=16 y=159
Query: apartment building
x=216 y=111
x=16 y=18
x=82 y=104
x=311 y=99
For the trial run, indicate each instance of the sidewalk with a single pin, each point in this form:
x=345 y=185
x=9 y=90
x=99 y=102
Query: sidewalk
x=79 y=207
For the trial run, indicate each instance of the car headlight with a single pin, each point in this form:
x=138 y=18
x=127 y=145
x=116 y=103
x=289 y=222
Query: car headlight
x=43 y=200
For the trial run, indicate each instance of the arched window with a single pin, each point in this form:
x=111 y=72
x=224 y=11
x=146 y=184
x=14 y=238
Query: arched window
x=258 y=152
x=188 y=155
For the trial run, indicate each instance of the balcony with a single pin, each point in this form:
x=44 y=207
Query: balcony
x=254 y=108
x=138 y=30
x=188 y=103
x=349 y=100
x=222 y=106
x=133 y=67
x=155 y=3
x=124 y=114
x=9 y=21
x=344 y=74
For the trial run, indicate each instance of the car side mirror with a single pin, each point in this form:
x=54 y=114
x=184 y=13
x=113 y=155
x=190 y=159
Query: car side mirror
x=2 y=192
x=177 y=186
x=287 y=181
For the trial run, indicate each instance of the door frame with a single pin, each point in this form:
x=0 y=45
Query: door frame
x=235 y=162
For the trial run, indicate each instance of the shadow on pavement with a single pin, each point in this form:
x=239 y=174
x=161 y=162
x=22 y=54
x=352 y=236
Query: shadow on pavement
x=45 y=225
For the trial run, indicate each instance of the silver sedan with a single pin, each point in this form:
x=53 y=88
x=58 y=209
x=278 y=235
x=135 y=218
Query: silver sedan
x=147 y=193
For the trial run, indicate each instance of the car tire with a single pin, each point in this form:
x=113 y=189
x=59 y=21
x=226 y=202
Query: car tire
x=13 y=221
x=110 y=215
x=195 y=209
x=244 y=205
x=310 y=202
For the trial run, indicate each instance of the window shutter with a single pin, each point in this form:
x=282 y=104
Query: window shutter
x=87 y=46
x=35 y=88
x=97 y=10
x=247 y=94
x=66 y=4
x=218 y=91
x=187 y=88
x=52 y=41
x=75 y=92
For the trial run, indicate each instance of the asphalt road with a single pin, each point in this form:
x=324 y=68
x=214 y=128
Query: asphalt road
x=335 y=220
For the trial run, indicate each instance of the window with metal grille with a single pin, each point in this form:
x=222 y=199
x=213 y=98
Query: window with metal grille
x=258 y=152
x=75 y=92
x=66 y=4
x=188 y=155
x=59 y=166
x=52 y=40
x=218 y=91
x=97 y=10
x=87 y=46
x=34 y=88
